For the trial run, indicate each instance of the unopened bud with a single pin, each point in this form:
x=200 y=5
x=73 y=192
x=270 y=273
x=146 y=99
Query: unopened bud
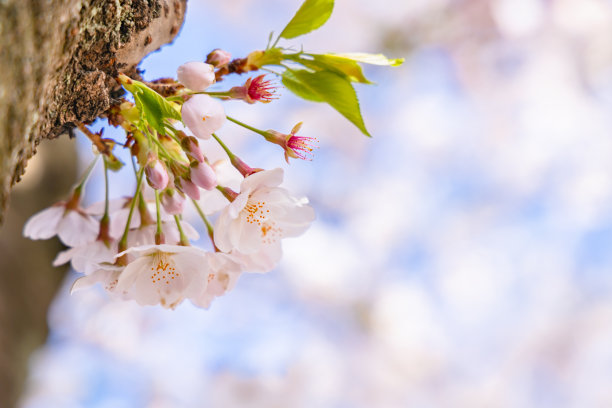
x=172 y=201
x=156 y=173
x=242 y=167
x=203 y=176
x=190 y=189
x=192 y=148
x=218 y=57
x=196 y=75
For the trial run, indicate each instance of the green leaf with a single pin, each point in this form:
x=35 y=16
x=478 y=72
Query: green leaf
x=374 y=59
x=329 y=62
x=154 y=108
x=311 y=15
x=292 y=83
x=332 y=88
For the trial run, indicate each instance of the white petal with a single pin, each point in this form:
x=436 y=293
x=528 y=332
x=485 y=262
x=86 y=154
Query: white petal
x=64 y=257
x=268 y=178
x=262 y=261
x=203 y=115
x=104 y=276
x=222 y=230
x=236 y=206
x=77 y=229
x=43 y=225
x=118 y=220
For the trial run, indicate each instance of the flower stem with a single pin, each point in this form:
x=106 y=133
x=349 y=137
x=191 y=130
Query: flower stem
x=103 y=234
x=222 y=94
x=79 y=187
x=184 y=239
x=241 y=166
x=159 y=234
x=209 y=228
x=244 y=125
x=123 y=241
x=227 y=150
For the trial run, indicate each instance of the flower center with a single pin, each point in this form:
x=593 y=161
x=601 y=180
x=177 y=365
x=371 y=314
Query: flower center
x=256 y=212
x=163 y=271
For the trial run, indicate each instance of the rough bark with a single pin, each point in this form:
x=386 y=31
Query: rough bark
x=59 y=60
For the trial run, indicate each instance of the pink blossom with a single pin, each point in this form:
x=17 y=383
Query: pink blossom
x=255 y=90
x=297 y=147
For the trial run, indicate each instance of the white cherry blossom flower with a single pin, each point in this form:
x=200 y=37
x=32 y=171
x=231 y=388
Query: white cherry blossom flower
x=107 y=275
x=163 y=274
x=73 y=226
x=203 y=115
x=223 y=273
x=262 y=261
x=88 y=257
x=261 y=215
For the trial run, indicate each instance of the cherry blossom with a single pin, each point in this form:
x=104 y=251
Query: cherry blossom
x=261 y=215
x=69 y=222
x=203 y=115
x=223 y=273
x=297 y=147
x=255 y=89
x=164 y=274
x=87 y=258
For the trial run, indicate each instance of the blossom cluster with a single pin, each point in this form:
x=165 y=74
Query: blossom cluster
x=140 y=247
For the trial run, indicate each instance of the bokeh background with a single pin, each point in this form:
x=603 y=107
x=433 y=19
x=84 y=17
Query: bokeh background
x=460 y=258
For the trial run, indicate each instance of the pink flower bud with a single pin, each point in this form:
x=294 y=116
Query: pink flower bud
x=192 y=148
x=204 y=176
x=190 y=189
x=203 y=115
x=218 y=57
x=195 y=75
x=157 y=176
x=173 y=201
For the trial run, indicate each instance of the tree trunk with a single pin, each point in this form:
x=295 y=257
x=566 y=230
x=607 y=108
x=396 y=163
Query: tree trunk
x=57 y=67
x=59 y=61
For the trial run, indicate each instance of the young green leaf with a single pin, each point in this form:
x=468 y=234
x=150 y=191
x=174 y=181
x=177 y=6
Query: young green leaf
x=292 y=83
x=374 y=59
x=311 y=15
x=334 y=89
x=330 y=62
x=154 y=108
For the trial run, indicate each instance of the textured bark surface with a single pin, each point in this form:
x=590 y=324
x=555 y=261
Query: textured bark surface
x=59 y=60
